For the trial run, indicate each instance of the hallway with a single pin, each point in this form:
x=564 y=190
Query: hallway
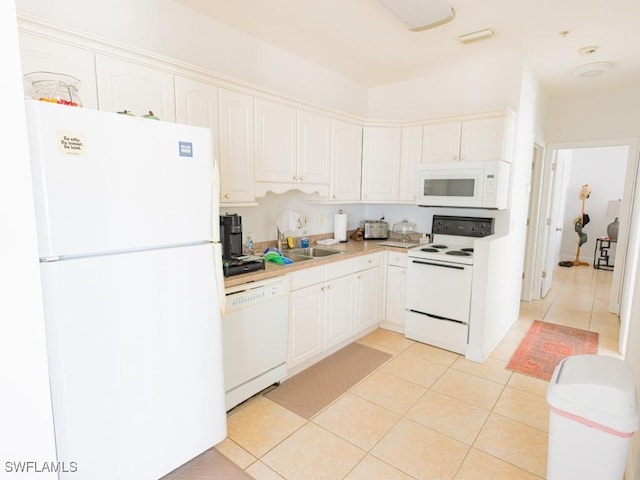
x=579 y=298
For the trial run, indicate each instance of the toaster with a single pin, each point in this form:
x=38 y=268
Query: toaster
x=378 y=229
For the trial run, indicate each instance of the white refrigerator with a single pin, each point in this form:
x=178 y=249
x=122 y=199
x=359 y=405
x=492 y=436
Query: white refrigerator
x=132 y=285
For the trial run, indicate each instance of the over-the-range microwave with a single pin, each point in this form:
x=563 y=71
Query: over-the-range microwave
x=464 y=184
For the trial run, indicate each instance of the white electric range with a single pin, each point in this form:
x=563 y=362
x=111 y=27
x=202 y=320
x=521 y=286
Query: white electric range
x=439 y=281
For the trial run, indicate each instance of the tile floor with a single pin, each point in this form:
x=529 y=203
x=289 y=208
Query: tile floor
x=426 y=413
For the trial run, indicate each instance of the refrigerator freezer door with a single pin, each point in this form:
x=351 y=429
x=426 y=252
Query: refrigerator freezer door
x=109 y=182
x=135 y=352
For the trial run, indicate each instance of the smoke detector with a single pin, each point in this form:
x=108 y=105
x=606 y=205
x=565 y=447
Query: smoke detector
x=593 y=69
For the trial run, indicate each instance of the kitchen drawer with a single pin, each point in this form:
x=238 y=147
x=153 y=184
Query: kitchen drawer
x=368 y=261
x=306 y=277
x=445 y=334
x=340 y=268
x=397 y=259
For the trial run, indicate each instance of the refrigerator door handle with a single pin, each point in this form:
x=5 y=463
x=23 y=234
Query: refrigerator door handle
x=222 y=299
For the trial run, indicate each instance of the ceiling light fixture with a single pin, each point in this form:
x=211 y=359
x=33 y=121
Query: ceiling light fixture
x=421 y=15
x=590 y=50
x=593 y=69
x=475 y=36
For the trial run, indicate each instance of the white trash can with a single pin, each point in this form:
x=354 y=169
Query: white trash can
x=593 y=416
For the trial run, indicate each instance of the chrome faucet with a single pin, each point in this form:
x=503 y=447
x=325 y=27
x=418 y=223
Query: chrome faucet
x=280 y=238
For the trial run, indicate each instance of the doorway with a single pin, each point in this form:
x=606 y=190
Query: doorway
x=555 y=220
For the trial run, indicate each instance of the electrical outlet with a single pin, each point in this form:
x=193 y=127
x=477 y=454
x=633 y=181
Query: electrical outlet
x=425 y=238
x=304 y=220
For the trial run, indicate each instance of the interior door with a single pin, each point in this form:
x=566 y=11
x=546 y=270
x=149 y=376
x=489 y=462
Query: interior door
x=559 y=180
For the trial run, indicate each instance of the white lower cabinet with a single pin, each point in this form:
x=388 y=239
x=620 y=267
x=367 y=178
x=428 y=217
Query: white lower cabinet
x=395 y=291
x=306 y=324
x=367 y=298
x=330 y=306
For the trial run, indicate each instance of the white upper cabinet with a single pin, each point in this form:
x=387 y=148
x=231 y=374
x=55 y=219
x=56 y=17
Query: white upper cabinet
x=293 y=149
x=487 y=139
x=314 y=148
x=346 y=161
x=236 y=147
x=196 y=103
x=275 y=142
x=124 y=85
x=43 y=55
x=469 y=140
x=410 y=157
x=380 y=163
x=441 y=142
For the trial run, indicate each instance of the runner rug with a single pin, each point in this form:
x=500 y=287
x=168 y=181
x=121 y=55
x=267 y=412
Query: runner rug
x=546 y=344
x=314 y=388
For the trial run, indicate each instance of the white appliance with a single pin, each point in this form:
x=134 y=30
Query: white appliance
x=131 y=279
x=255 y=326
x=464 y=184
x=439 y=282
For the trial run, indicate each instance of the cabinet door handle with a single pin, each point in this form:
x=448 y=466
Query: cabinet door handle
x=334 y=197
x=227 y=196
x=329 y=286
x=302 y=178
x=295 y=178
x=462 y=157
x=455 y=157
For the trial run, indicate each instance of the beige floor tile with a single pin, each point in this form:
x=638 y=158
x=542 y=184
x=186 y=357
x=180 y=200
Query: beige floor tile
x=529 y=384
x=492 y=369
x=504 y=351
x=524 y=407
x=432 y=354
x=468 y=388
x=480 y=466
x=566 y=320
x=372 y=468
x=261 y=424
x=449 y=416
x=388 y=340
x=389 y=391
x=420 y=451
x=515 y=443
x=313 y=453
x=260 y=471
x=414 y=369
x=235 y=453
x=359 y=421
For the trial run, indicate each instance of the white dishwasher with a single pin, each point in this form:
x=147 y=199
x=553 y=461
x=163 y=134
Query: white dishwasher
x=255 y=337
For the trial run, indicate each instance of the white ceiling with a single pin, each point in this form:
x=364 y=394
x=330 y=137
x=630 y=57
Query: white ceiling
x=364 y=41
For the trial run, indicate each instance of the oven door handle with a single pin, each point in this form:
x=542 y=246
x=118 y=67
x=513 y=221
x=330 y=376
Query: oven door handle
x=437 y=317
x=456 y=267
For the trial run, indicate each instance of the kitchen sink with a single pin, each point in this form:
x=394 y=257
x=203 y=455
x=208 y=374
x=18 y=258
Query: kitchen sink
x=295 y=258
x=312 y=252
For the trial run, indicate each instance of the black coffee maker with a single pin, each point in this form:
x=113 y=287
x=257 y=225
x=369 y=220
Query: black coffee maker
x=231 y=236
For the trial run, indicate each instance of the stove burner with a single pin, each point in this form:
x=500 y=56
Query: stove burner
x=439 y=246
x=458 y=253
x=469 y=249
x=430 y=250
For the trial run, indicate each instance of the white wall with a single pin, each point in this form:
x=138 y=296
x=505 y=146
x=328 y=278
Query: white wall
x=488 y=83
x=607 y=115
x=603 y=169
x=170 y=29
x=25 y=406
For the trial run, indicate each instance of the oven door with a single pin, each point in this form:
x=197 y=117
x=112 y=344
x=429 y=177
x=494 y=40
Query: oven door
x=438 y=303
x=451 y=185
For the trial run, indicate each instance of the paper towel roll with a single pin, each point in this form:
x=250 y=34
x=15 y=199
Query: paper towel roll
x=340 y=227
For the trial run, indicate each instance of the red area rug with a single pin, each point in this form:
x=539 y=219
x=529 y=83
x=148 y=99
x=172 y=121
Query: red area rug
x=546 y=344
